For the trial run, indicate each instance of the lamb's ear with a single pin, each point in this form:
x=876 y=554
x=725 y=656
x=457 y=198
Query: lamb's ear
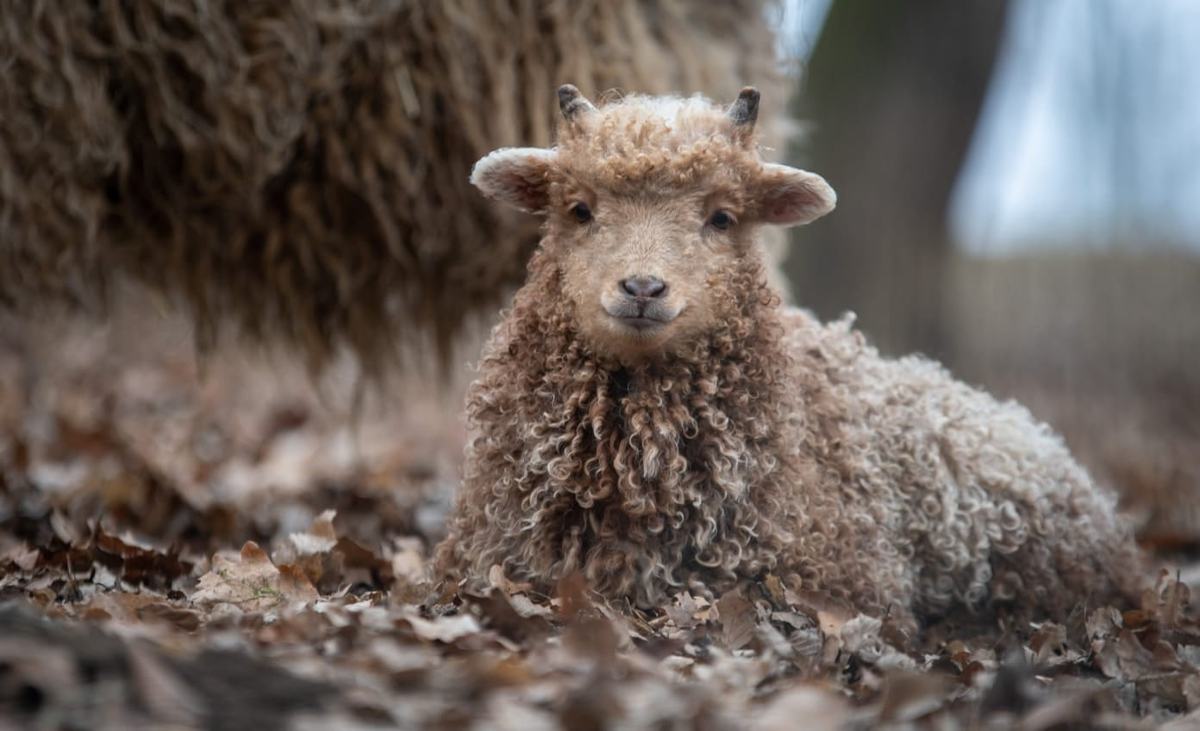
x=519 y=176
x=786 y=196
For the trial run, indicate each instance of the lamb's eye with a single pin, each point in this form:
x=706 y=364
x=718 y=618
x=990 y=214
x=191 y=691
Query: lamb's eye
x=720 y=220
x=581 y=212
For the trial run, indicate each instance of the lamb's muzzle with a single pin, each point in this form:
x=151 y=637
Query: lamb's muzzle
x=642 y=306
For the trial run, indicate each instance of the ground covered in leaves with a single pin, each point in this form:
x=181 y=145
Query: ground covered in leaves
x=234 y=550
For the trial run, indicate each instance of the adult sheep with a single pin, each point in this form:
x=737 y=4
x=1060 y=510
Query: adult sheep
x=649 y=415
x=294 y=169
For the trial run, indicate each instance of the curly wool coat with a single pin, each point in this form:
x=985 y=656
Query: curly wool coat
x=772 y=443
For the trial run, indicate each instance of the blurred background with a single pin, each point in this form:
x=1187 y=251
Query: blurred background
x=1018 y=197
x=242 y=271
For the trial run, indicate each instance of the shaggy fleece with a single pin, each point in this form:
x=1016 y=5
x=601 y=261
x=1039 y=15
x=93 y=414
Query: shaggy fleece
x=296 y=169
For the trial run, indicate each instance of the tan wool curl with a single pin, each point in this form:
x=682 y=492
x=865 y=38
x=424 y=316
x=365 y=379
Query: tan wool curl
x=772 y=443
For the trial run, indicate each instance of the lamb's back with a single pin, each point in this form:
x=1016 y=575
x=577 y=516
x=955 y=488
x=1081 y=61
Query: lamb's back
x=985 y=502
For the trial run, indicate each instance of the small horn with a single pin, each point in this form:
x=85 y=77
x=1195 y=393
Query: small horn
x=745 y=110
x=571 y=102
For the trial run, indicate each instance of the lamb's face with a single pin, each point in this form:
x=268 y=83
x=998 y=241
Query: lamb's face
x=650 y=204
x=647 y=273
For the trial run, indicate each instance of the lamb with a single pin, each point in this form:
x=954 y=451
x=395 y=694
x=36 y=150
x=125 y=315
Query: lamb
x=649 y=415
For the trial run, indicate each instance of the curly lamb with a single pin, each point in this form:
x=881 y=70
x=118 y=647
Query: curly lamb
x=649 y=415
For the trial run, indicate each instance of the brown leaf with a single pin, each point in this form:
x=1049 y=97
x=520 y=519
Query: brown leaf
x=775 y=591
x=63 y=528
x=896 y=632
x=686 y=611
x=1175 y=604
x=252 y=583
x=137 y=564
x=1049 y=644
x=1137 y=618
x=1125 y=658
x=1103 y=623
x=21 y=556
x=443 y=629
x=525 y=607
x=515 y=617
x=118 y=605
x=320 y=536
x=312 y=553
x=832 y=620
x=497 y=579
x=737 y=620
x=590 y=632
x=572 y=596
x=355 y=556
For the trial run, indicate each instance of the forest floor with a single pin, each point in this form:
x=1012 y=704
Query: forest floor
x=232 y=550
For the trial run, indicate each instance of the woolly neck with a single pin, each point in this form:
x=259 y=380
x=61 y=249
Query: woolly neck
x=681 y=453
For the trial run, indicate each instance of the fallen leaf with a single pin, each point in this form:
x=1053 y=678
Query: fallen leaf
x=497 y=579
x=1049 y=644
x=251 y=583
x=320 y=536
x=1103 y=623
x=737 y=620
x=1125 y=658
x=443 y=629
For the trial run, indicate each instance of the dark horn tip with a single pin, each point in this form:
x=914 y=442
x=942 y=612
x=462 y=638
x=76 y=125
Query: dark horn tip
x=571 y=101
x=745 y=110
x=566 y=93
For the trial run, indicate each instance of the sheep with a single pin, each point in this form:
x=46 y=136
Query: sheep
x=649 y=415
x=293 y=169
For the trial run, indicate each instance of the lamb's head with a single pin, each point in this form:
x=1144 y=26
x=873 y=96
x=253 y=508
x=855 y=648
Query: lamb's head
x=651 y=204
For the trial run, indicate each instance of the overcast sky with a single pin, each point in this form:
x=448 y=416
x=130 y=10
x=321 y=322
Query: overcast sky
x=1090 y=133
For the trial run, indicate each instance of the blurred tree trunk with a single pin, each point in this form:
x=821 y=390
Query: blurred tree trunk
x=892 y=91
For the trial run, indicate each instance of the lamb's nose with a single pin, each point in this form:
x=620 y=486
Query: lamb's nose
x=644 y=287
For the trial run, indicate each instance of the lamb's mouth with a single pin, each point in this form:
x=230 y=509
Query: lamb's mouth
x=642 y=322
x=642 y=317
